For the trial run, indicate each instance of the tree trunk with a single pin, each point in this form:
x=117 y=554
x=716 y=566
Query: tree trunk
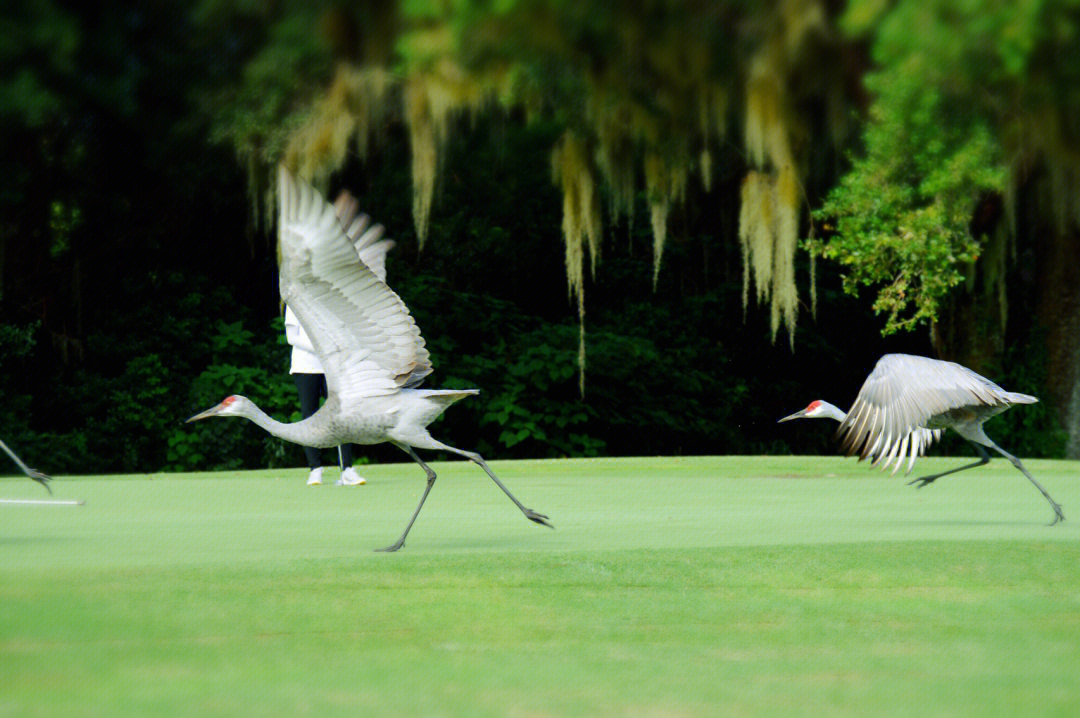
x=970 y=328
x=1058 y=284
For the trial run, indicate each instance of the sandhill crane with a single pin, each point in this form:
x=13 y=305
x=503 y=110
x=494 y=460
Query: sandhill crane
x=32 y=473
x=905 y=404
x=370 y=347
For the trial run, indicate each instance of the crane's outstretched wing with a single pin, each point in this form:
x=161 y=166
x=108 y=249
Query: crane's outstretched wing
x=365 y=237
x=362 y=332
x=893 y=415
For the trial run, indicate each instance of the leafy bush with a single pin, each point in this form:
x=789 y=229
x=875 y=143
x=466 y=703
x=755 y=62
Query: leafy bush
x=239 y=368
x=16 y=345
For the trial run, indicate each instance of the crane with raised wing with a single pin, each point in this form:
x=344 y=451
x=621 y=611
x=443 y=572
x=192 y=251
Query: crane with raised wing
x=907 y=401
x=368 y=343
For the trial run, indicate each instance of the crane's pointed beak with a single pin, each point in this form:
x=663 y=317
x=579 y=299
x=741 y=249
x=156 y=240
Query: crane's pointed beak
x=796 y=415
x=204 y=415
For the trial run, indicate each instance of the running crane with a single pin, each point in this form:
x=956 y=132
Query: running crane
x=370 y=347
x=905 y=404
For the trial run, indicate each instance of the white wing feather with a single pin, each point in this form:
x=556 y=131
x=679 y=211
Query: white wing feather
x=362 y=332
x=889 y=418
x=365 y=237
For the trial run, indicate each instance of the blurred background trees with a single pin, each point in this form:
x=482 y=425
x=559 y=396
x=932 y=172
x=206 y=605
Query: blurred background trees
x=753 y=194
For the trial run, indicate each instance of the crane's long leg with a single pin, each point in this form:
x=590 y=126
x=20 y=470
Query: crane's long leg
x=427 y=489
x=34 y=474
x=984 y=458
x=1059 y=515
x=479 y=461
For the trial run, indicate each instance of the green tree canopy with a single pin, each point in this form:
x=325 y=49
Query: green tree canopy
x=644 y=92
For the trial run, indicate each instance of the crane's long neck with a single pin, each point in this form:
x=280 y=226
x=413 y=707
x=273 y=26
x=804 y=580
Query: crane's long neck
x=306 y=433
x=827 y=410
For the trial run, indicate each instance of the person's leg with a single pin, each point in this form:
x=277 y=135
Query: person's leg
x=349 y=477
x=345 y=456
x=310 y=387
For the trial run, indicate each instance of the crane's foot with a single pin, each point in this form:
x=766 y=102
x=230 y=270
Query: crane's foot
x=538 y=518
x=392 y=547
x=42 y=479
x=922 y=481
x=1059 y=515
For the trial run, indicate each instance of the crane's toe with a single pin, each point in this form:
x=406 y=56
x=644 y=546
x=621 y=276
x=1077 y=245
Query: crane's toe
x=392 y=547
x=41 y=478
x=1059 y=515
x=538 y=518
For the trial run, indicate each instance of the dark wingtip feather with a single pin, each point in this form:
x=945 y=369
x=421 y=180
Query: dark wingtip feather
x=848 y=438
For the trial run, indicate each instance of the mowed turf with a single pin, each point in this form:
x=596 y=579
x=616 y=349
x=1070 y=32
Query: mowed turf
x=670 y=587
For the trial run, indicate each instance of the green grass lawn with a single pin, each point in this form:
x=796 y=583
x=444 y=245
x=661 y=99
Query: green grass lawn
x=670 y=587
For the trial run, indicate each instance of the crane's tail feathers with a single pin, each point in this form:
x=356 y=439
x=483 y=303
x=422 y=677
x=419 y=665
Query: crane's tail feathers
x=1015 y=398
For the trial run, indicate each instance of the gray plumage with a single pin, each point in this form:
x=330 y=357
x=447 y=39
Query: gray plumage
x=907 y=401
x=34 y=474
x=332 y=276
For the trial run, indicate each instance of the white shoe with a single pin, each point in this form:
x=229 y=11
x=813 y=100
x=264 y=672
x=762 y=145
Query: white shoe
x=315 y=477
x=349 y=477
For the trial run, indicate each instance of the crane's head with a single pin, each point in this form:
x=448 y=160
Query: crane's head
x=816 y=410
x=232 y=406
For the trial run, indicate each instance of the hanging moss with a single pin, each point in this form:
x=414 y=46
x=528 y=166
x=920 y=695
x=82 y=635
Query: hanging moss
x=581 y=225
x=768 y=234
x=665 y=184
x=616 y=156
x=785 y=296
x=712 y=126
x=769 y=217
x=424 y=143
x=645 y=101
x=432 y=98
x=351 y=110
x=766 y=130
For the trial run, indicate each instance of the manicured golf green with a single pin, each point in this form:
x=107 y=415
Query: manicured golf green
x=670 y=587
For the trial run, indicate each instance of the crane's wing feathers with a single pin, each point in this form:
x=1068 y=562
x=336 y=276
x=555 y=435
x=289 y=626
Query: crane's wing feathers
x=361 y=330
x=902 y=405
x=365 y=237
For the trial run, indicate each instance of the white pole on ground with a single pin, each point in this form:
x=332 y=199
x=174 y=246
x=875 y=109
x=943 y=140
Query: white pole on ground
x=44 y=502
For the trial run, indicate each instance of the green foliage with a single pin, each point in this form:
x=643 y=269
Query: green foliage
x=15 y=341
x=286 y=61
x=238 y=366
x=533 y=405
x=16 y=406
x=966 y=97
x=899 y=219
x=38 y=40
x=136 y=400
x=1032 y=429
x=135 y=294
x=525 y=368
